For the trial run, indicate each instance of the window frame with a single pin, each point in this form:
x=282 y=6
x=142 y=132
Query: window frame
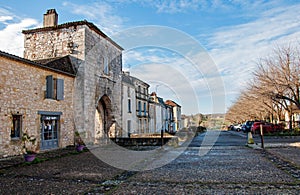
x=20 y=121
x=106 y=67
x=54 y=88
x=129 y=105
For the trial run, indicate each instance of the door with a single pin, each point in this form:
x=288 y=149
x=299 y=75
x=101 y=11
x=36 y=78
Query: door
x=49 y=132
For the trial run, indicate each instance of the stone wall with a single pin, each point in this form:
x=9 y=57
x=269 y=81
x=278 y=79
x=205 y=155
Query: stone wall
x=54 y=43
x=22 y=91
x=97 y=83
x=88 y=50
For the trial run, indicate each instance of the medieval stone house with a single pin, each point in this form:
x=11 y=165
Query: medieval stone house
x=35 y=99
x=98 y=62
x=69 y=80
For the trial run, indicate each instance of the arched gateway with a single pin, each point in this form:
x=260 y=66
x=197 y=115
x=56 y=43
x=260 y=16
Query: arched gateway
x=104 y=119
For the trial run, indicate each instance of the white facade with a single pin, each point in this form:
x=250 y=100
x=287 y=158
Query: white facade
x=129 y=124
x=158 y=114
x=176 y=122
x=142 y=108
x=135 y=109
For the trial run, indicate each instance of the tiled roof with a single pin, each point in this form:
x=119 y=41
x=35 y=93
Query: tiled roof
x=172 y=103
x=74 y=24
x=130 y=80
x=37 y=64
x=64 y=64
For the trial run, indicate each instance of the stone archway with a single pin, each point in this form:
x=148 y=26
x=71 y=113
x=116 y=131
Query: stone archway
x=104 y=119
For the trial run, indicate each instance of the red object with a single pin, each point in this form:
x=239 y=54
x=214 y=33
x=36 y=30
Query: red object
x=267 y=127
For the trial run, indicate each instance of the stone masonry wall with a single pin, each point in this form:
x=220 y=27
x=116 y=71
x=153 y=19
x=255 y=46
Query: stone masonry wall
x=88 y=50
x=58 y=43
x=96 y=82
x=22 y=91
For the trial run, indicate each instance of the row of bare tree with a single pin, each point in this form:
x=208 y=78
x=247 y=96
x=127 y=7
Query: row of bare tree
x=273 y=90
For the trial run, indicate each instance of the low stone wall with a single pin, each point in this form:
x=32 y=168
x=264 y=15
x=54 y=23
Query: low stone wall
x=146 y=141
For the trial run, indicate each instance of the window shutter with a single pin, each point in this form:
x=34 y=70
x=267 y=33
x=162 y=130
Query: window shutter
x=49 y=86
x=60 y=89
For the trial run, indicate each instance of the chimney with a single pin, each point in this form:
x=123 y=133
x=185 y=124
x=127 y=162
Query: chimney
x=50 y=18
x=126 y=73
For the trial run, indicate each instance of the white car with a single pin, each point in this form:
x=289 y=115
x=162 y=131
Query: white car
x=237 y=127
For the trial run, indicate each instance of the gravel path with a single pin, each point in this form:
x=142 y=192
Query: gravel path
x=224 y=170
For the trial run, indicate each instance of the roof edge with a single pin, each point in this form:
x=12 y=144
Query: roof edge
x=76 y=23
x=19 y=59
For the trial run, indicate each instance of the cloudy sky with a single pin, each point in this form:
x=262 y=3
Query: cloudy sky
x=199 y=53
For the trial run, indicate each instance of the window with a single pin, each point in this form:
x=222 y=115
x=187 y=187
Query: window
x=16 y=126
x=139 y=108
x=140 y=126
x=145 y=109
x=54 y=88
x=129 y=105
x=106 y=66
x=128 y=91
x=145 y=125
x=129 y=126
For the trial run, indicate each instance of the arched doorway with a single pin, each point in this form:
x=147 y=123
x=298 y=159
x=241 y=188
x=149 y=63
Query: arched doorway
x=104 y=120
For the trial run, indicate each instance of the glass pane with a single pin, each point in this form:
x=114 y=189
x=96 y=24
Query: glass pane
x=16 y=126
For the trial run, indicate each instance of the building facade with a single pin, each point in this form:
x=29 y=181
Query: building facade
x=142 y=108
x=71 y=80
x=36 y=100
x=98 y=62
x=129 y=116
x=157 y=114
x=176 y=122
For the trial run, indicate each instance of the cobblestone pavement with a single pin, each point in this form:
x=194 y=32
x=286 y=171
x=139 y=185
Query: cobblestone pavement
x=229 y=168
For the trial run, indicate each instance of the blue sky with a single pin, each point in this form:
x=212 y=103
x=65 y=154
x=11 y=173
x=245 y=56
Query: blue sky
x=203 y=51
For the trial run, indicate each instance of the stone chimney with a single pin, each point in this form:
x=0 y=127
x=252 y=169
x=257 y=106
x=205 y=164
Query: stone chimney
x=126 y=73
x=50 y=18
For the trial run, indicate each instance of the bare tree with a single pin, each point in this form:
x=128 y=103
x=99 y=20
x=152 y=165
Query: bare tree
x=273 y=89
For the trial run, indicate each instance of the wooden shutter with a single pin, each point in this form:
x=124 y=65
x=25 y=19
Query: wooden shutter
x=49 y=87
x=60 y=89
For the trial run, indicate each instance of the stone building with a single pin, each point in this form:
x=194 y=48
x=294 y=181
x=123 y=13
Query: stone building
x=98 y=62
x=157 y=114
x=135 y=108
x=142 y=107
x=37 y=100
x=176 y=122
x=129 y=122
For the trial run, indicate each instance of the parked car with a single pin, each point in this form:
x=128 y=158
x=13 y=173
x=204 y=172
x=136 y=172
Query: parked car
x=237 y=127
x=267 y=127
x=246 y=127
x=279 y=127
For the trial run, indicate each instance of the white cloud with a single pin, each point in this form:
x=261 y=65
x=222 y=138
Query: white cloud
x=11 y=36
x=101 y=13
x=236 y=49
x=5 y=18
x=185 y=6
x=178 y=78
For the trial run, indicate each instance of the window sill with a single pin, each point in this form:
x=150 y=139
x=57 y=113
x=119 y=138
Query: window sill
x=15 y=139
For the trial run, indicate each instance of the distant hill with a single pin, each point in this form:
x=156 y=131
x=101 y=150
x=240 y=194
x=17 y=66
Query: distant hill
x=210 y=121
